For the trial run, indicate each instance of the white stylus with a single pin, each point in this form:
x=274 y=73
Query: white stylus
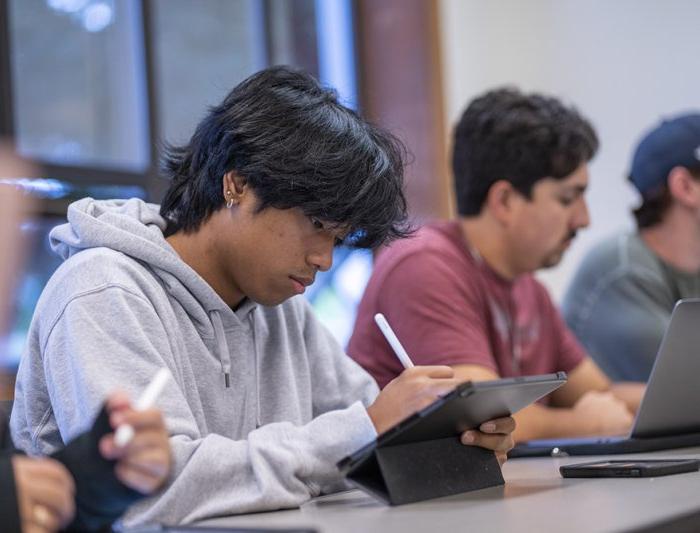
x=148 y=397
x=393 y=340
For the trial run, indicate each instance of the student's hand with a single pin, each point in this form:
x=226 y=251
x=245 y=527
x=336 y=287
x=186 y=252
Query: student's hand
x=144 y=463
x=601 y=413
x=496 y=435
x=45 y=494
x=418 y=387
x=414 y=389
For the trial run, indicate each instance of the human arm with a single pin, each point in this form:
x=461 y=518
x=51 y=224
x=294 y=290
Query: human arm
x=144 y=462
x=280 y=464
x=411 y=391
x=630 y=393
x=588 y=376
x=588 y=404
x=36 y=495
x=444 y=321
x=44 y=494
x=418 y=387
x=109 y=478
x=585 y=405
x=277 y=465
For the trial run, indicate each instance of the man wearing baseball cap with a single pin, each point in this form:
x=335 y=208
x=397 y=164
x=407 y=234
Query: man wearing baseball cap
x=621 y=298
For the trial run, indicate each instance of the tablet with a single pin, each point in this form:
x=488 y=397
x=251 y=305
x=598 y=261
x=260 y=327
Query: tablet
x=466 y=407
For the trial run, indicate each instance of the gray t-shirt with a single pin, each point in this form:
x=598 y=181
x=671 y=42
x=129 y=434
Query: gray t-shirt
x=619 y=304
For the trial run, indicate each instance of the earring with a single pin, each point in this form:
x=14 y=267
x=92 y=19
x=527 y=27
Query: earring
x=229 y=200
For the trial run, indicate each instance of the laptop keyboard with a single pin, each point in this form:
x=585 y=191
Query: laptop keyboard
x=572 y=441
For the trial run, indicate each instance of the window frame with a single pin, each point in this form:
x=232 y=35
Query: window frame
x=150 y=178
x=80 y=175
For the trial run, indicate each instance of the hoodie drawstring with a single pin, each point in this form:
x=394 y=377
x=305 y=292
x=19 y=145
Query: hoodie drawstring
x=224 y=354
x=256 y=361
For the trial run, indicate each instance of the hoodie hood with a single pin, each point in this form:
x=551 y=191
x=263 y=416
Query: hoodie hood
x=135 y=228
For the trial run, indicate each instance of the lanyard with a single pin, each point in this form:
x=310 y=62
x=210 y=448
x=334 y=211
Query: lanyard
x=510 y=315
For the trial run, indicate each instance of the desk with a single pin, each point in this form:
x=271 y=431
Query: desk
x=535 y=498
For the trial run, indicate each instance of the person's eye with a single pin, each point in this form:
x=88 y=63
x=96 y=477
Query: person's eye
x=566 y=201
x=317 y=223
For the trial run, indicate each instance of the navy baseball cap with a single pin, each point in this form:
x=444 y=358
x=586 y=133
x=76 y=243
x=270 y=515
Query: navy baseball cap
x=675 y=142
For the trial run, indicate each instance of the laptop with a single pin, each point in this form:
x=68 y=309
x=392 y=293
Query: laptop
x=669 y=415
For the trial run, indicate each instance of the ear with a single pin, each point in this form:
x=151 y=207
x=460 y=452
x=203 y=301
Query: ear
x=684 y=188
x=234 y=187
x=501 y=201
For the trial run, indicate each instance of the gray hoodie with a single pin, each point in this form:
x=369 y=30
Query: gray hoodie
x=123 y=305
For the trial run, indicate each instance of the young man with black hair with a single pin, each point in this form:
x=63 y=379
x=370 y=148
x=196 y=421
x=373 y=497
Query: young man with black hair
x=620 y=299
x=264 y=401
x=462 y=293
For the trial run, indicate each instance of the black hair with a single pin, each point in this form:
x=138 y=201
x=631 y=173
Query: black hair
x=297 y=147
x=656 y=203
x=521 y=138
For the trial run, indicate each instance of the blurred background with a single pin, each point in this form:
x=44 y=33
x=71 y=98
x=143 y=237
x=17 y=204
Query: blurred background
x=90 y=88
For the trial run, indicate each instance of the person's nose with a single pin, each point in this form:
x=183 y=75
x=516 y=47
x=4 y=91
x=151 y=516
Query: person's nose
x=321 y=258
x=581 y=217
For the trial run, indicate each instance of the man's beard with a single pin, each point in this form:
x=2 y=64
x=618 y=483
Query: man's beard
x=555 y=257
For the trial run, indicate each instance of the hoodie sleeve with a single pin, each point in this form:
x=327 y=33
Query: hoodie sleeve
x=89 y=353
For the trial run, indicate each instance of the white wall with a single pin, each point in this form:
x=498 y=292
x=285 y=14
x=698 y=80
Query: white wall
x=622 y=63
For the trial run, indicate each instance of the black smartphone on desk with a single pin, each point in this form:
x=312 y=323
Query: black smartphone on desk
x=632 y=468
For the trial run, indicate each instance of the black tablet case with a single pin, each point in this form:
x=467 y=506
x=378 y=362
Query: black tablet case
x=411 y=472
x=403 y=466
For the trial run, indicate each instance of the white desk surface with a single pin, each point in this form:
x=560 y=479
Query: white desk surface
x=535 y=498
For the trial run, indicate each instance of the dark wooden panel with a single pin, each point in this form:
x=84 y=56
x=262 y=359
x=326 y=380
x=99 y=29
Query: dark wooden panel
x=401 y=89
x=7 y=386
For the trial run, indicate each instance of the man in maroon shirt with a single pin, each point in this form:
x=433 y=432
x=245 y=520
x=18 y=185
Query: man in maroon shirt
x=462 y=293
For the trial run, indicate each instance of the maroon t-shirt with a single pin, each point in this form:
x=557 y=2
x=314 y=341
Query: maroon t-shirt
x=448 y=307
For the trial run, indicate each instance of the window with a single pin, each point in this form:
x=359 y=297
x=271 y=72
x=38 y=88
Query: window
x=337 y=292
x=89 y=89
x=77 y=83
x=201 y=54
